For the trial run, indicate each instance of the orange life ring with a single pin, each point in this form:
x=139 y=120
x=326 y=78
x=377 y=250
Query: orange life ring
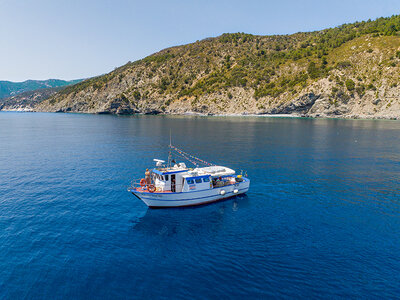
x=151 y=188
x=142 y=182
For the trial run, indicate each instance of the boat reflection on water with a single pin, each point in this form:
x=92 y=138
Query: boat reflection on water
x=189 y=220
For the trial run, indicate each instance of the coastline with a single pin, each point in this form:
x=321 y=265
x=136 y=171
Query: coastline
x=197 y=114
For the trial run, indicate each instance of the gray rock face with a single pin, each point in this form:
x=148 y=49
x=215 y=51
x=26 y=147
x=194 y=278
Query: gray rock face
x=152 y=112
x=120 y=106
x=376 y=101
x=301 y=105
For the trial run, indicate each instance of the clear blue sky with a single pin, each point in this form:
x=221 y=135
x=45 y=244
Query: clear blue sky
x=70 y=39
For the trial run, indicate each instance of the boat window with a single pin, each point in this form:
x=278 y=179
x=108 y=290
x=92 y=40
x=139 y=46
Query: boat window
x=189 y=181
x=198 y=180
x=166 y=177
x=206 y=179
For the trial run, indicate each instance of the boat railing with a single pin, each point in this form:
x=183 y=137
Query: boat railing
x=216 y=183
x=135 y=184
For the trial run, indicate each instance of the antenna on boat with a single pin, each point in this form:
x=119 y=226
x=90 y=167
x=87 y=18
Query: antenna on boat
x=170 y=147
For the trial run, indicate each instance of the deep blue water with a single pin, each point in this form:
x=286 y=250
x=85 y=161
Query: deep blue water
x=321 y=219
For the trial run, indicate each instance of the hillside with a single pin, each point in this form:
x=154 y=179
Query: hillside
x=8 y=88
x=348 y=71
x=26 y=101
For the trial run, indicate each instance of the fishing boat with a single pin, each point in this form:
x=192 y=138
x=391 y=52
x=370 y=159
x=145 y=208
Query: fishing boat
x=173 y=184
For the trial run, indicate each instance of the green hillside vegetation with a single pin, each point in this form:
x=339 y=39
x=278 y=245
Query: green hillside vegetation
x=353 y=58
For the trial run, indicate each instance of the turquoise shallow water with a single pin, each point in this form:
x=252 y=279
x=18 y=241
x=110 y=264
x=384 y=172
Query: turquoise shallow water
x=322 y=217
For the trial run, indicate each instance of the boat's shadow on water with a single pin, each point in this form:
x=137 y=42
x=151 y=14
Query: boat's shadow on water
x=195 y=219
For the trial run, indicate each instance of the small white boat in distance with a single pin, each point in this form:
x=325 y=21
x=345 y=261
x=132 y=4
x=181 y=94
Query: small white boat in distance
x=175 y=185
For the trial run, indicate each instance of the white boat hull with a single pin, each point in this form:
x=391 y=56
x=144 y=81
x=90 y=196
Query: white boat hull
x=156 y=200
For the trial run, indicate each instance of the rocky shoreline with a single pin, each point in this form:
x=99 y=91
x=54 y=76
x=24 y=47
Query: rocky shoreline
x=191 y=113
x=313 y=102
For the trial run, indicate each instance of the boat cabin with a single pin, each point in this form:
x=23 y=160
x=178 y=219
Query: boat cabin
x=169 y=179
x=179 y=178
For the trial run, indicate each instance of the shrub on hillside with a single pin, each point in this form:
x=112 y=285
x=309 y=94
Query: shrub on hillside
x=313 y=71
x=350 y=85
x=343 y=65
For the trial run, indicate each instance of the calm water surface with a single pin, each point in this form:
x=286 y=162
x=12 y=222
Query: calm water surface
x=322 y=217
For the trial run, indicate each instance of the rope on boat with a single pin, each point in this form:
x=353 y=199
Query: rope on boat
x=188 y=156
x=188 y=159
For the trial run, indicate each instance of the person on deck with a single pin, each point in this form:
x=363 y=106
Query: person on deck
x=173 y=186
x=147 y=177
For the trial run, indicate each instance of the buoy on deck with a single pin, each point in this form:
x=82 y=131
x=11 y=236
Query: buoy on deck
x=151 y=188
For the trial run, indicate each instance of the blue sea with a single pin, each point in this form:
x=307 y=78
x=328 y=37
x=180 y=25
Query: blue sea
x=321 y=218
